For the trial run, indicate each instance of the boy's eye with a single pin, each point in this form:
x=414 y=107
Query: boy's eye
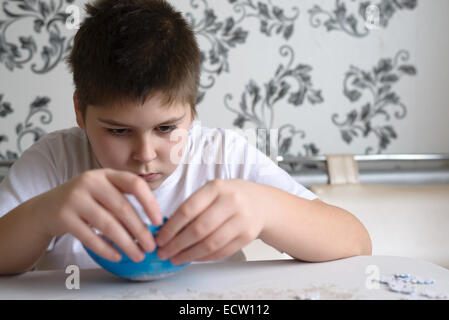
x=165 y=129
x=117 y=132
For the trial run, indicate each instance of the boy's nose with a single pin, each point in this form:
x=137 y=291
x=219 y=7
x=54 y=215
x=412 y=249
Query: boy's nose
x=144 y=151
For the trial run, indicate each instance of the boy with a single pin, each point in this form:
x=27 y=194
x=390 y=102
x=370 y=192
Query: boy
x=137 y=156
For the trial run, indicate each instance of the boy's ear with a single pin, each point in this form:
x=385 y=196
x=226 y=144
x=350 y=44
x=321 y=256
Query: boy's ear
x=79 y=116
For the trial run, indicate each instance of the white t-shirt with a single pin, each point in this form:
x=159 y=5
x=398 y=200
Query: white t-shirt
x=210 y=153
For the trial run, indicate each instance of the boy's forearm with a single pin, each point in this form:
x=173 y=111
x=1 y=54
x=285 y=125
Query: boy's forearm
x=312 y=230
x=22 y=242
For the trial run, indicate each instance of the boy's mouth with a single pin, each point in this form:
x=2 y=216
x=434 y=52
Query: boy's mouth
x=149 y=177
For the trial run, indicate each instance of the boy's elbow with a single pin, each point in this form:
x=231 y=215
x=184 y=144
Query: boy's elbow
x=366 y=246
x=367 y=250
x=16 y=272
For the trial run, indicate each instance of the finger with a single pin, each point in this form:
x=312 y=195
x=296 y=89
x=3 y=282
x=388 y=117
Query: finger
x=130 y=183
x=209 y=246
x=204 y=225
x=80 y=230
x=225 y=252
x=116 y=203
x=99 y=218
x=192 y=207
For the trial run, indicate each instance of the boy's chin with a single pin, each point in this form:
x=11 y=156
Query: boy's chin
x=155 y=184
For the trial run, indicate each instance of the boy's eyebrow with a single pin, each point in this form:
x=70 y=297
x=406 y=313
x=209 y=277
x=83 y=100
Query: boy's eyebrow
x=116 y=123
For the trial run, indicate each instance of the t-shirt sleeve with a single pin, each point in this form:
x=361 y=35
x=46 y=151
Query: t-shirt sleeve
x=243 y=160
x=31 y=175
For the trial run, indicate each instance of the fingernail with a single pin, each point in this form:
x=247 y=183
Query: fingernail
x=140 y=256
x=149 y=245
x=152 y=246
x=162 y=255
x=176 y=262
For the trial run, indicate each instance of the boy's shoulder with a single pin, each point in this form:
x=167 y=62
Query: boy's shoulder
x=213 y=139
x=68 y=133
x=197 y=131
x=217 y=145
x=74 y=134
x=57 y=143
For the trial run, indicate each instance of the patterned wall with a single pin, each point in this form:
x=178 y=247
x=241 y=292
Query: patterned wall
x=330 y=76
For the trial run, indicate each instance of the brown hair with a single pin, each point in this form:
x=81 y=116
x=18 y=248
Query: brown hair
x=128 y=50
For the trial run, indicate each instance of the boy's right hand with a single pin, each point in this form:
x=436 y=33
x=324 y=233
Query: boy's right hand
x=96 y=199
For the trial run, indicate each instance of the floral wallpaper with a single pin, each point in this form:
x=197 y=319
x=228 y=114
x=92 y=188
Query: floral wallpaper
x=288 y=65
x=49 y=18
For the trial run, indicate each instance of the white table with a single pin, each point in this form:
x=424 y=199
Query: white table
x=281 y=279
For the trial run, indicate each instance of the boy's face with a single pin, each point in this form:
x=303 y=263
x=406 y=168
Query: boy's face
x=136 y=138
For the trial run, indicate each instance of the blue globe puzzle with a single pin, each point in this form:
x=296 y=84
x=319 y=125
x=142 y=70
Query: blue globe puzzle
x=151 y=268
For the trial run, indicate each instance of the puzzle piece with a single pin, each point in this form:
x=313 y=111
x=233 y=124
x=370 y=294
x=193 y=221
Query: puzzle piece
x=401 y=286
x=406 y=284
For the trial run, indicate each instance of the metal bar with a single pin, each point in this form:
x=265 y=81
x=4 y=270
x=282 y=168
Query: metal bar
x=371 y=157
x=310 y=177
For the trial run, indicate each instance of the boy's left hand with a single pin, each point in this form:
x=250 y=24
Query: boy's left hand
x=215 y=222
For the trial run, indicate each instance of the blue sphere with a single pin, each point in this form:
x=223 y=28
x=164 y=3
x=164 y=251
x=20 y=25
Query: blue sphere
x=150 y=268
